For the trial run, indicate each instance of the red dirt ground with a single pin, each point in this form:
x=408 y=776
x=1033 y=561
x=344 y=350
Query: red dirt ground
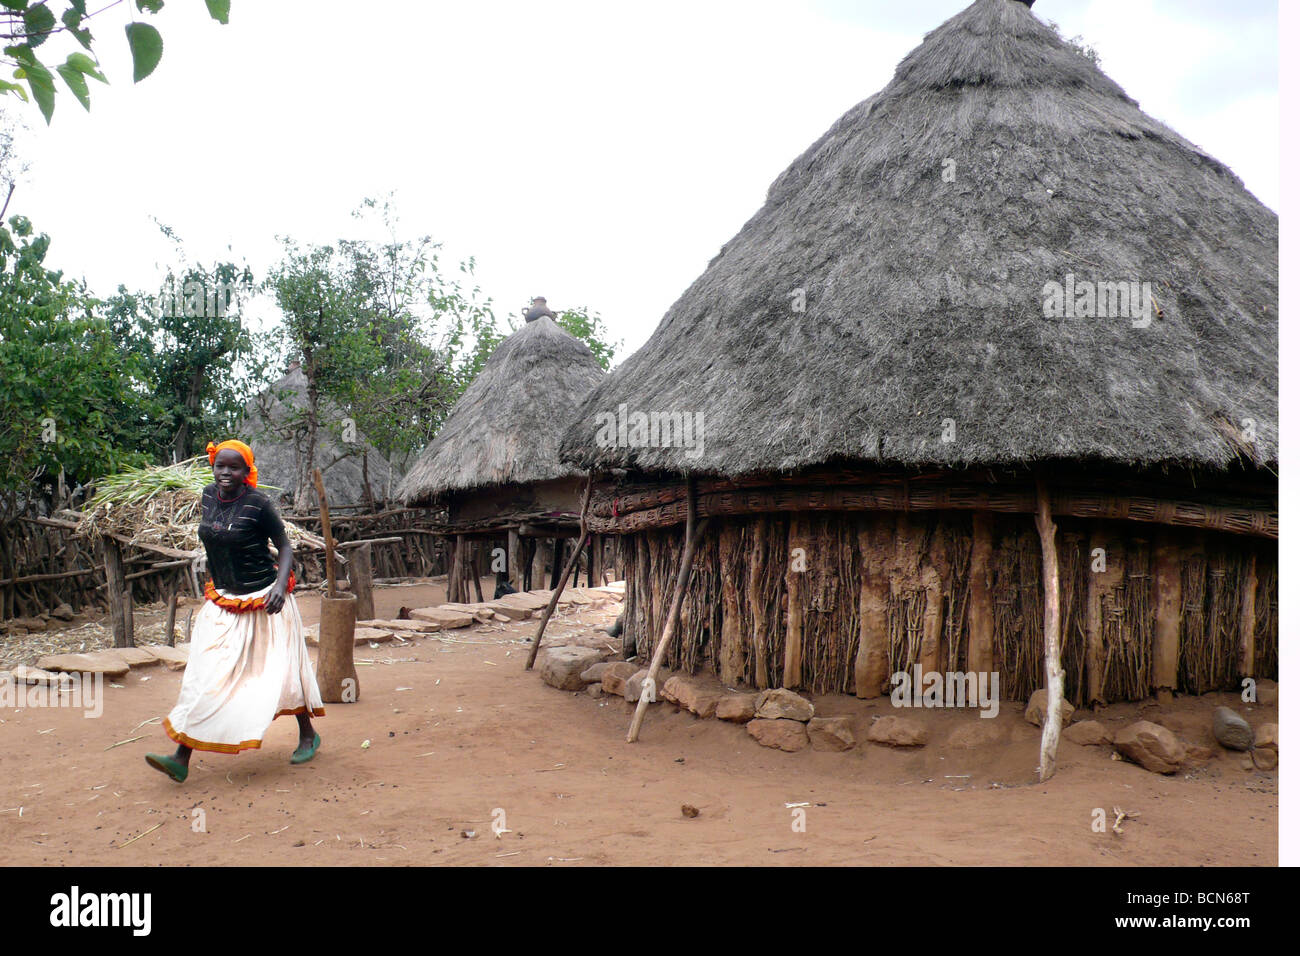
x=459 y=732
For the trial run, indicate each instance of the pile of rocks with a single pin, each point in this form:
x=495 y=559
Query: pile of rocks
x=62 y=614
x=1161 y=749
x=776 y=718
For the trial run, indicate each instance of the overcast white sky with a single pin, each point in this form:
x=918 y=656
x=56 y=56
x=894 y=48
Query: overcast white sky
x=595 y=153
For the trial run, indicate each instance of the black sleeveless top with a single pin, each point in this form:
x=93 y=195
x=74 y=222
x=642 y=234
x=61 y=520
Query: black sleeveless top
x=235 y=535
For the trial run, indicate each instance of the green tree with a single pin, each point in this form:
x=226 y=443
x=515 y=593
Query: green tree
x=324 y=324
x=590 y=329
x=192 y=346
x=66 y=397
x=27 y=25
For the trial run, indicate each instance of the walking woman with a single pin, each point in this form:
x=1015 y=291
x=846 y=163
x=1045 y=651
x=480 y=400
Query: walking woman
x=248 y=659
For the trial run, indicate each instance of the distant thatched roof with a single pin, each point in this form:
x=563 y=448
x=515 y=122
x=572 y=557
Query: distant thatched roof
x=506 y=427
x=279 y=446
x=924 y=291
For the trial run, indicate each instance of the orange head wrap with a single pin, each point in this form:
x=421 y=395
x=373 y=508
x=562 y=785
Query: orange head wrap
x=244 y=451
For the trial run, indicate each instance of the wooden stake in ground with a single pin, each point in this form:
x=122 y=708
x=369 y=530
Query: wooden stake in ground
x=1051 y=636
x=169 y=631
x=119 y=594
x=689 y=539
x=555 y=597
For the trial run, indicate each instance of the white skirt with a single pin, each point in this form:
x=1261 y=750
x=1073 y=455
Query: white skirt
x=245 y=669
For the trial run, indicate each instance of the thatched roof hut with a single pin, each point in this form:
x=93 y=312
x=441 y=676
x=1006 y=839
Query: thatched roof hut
x=495 y=462
x=996 y=271
x=275 y=429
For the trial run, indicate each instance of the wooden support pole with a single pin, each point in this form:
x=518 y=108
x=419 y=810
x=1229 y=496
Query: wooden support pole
x=758 y=601
x=119 y=595
x=557 y=559
x=1102 y=585
x=169 y=629
x=361 y=576
x=796 y=562
x=598 y=565
x=1051 y=636
x=515 y=559
x=539 y=564
x=1246 y=657
x=871 y=666
x=731 y=653
x=690 y=537
x=455 y=577
x=979 y=613
x=591 y=562
x=555 y=596
x=1169 y=616
x=475 y=570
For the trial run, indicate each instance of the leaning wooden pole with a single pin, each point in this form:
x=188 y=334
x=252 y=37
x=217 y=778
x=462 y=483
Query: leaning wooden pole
x=559 y=589
x=689 y=541
x=1051 y=636
x=331 y=591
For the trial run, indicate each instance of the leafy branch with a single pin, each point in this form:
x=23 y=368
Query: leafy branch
x=26 y=26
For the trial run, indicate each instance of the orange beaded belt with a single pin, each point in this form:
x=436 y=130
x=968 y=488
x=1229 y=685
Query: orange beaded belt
x=240 y=605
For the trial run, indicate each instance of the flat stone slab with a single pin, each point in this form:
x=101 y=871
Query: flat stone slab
x=360 y=636
x=446 y=616
x=107 y=662
x=137 y=656
x=526 y=600
x=401 y=627
x=510 y=612
x=173 y=658
x=479 y=612
x=25 y=674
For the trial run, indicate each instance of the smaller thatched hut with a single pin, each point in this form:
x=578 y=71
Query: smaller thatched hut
x=354 y=472
x=495 y=463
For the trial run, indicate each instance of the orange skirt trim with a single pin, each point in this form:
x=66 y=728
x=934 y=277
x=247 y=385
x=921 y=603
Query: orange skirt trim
x=240 y=605
x=204 y=745
x=315 y=712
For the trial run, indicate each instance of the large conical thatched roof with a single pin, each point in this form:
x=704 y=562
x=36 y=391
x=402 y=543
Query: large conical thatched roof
x=506 y=427
x=924 y=297
x=273 y=428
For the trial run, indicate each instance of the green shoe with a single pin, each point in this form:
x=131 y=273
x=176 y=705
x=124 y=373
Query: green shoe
x=302 y=755
x=168 y=765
